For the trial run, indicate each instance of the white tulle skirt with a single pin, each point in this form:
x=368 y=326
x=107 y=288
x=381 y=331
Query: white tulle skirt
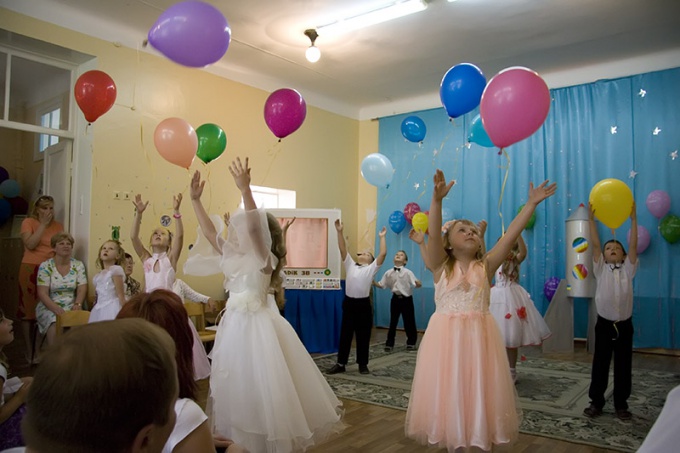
x=267 y=393
x=518 y=319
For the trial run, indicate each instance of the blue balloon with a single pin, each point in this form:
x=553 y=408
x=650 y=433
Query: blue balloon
x=413 y=129
x=377 y=170
x=461 y=89
x=478 y=134
x=9 y=188
x=397 y=221
x=5 y=210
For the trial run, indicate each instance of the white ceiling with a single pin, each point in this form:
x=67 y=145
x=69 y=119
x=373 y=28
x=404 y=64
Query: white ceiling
x=397 y=66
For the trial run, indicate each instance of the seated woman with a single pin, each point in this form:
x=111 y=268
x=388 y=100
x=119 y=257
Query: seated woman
x=165 y=309
x=62 y=285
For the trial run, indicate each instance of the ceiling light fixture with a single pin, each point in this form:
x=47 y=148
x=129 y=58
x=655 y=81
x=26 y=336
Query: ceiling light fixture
x=312 y=53
x=383 y=14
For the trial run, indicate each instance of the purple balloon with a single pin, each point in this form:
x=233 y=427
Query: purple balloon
x=550 y=287
x=192 y=33
x=643 y=239
x=4 y=174
x=659 y=203
x=284 y=112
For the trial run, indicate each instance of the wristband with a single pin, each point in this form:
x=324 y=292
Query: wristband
x=177 y=216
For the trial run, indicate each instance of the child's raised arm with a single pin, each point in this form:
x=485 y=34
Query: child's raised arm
x=140 y=206
x=500 y=251
x=342 y=246
x=418 y=237
x=178 y=241
x=632 y=245
x=594 y=237
x=522 y=253
x=435 y=246
x=207 y=227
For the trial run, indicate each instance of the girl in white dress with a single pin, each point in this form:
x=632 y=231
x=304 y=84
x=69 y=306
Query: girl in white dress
x=109 y=284
x=267 y=393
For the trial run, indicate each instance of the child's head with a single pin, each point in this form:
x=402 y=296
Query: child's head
x=128 y=264
x=279 y=250
x=463 y=236
x=44 y=204
x=161 y=238
x=114 y=379
x=165 y=309
x=6 y=330
x=400 y=258
x=613 y=252
x=365 y=257
x=111 y=251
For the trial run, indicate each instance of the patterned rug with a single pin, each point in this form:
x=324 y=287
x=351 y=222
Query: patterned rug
x=552 y=394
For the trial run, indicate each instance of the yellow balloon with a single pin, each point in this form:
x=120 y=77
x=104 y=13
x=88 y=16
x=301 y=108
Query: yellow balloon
x=612 y=202
x=420 y=222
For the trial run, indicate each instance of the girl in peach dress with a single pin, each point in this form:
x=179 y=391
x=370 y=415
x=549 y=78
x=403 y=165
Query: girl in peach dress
x=462 y=394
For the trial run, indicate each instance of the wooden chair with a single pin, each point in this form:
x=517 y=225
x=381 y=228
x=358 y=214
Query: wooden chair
x=196 y=312
x=70 y=319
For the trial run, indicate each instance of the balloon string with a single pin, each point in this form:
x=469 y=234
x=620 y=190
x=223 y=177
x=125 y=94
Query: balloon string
x=274 y=152
x=505 y=180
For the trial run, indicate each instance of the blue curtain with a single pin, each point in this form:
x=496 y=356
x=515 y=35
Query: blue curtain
x=627 y=128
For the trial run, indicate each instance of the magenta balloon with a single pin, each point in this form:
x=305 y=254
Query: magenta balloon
x=284 y=112
x=410 y=210
x=191 y=33
x=643 y=239
x=514 y=105
x=659 y=203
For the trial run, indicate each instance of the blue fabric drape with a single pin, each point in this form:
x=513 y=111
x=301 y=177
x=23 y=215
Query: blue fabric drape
x=316 y=316
x=605 y=129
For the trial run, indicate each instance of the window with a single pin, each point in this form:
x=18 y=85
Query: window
x=48 y=115
x=270 y=198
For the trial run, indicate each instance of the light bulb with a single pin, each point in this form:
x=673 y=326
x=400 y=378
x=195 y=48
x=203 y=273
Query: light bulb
x=313 y=54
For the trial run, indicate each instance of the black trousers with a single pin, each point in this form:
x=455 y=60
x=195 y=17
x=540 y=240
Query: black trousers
x=402 y=306
x=357 y=317
x=612 y=338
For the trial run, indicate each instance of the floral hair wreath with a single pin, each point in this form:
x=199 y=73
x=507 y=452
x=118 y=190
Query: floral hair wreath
x=447 y=225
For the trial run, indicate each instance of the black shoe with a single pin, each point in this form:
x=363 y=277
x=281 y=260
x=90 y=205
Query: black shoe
x=363 y=369
x=388 y=348
x=592 y=411
x=624 y=414
x=335 y=369
x=410 y=347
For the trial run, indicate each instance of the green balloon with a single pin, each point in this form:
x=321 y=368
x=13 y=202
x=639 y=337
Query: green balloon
x=532 y=221
x=212 y=142
x=670 y=228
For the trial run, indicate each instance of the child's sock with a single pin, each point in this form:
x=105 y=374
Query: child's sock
x=513 y=373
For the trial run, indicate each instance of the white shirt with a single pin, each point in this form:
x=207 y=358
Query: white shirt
x=189 y=417
x=664 y=435
x=400 y=281
x=358 y=279
x=614 y=293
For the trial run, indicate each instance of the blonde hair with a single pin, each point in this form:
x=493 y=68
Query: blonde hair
x=57 y=238
x=169 y=236
x=279 y=250
x=451 y=259
x=510 y=267
x=121 y=253
x=41 y=202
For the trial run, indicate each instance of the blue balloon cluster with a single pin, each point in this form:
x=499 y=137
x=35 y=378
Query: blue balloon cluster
x=478 y=135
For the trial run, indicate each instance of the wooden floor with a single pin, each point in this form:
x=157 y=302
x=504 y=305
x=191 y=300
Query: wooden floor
x=376 y=429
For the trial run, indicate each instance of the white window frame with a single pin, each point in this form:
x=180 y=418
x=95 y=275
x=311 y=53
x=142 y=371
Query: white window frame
x=272 y=198
x=46 y=109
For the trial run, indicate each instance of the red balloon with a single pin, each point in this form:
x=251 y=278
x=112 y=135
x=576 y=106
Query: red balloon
x=514 y=105
x=410 y=210
x=95 y=94
x=284 y=111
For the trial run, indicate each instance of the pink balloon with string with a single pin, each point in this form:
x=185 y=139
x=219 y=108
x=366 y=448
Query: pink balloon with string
x=410 y=210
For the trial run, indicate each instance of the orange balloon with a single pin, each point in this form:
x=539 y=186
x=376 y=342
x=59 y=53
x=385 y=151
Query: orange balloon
x=176 y=141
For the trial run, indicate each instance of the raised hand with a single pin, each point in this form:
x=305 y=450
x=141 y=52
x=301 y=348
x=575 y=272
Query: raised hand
x=540 y=193
x=227 y=218
x=241 y=173
x=287 y=224
x=482 y=224
x=441 y=188
x=196 y=186
x=338 y=225
x=176 y=201
x=382 y=232
x=140 y=206
x=416 y=236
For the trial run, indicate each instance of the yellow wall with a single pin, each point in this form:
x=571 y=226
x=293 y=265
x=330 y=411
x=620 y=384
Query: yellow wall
x=320 y=161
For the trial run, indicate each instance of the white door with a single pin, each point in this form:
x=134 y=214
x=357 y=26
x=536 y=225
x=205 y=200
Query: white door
x=57 y=182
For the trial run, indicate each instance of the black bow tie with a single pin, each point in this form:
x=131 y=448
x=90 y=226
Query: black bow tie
x=613 y=267
x=398 y=269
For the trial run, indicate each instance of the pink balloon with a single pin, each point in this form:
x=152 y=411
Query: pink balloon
x=284 y=112
x=643 y=239
x=410 y=210
x=659 y=203
x=176 y=141
x=514 y=105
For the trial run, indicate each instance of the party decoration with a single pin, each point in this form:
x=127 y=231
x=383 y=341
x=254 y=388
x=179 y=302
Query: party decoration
x=284 y=112
x=211 y=142
x=461 y=89
x=643 y=239
x=420 y=221
x=514 y=105
x=612 y=202
x=478 y=135
x=659 y=203
x=413 y=129
x=410 y=210
x=670 y=228
x=19 y=205
x=4 y=174
x=191 y=33
x=176 y=141
x=95 y=93
x=377 y=170
x=5 y=210
x=532 y=220
x=550 y=287
x=9 y=188
x=397 y=221
x=580 y=282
